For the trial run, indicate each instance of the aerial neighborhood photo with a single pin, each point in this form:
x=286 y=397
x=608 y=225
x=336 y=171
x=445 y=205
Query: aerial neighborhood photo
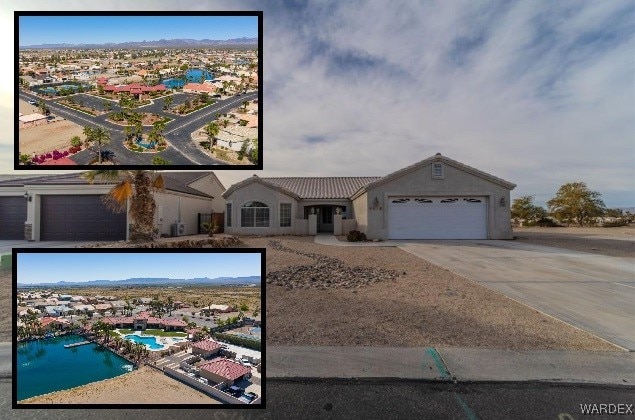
x=143 y=329
x=137 y=90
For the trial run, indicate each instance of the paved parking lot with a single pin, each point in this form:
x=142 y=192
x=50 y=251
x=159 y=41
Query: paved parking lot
x=592 y=292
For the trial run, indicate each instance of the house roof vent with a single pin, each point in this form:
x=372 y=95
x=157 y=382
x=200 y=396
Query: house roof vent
x=438 y=154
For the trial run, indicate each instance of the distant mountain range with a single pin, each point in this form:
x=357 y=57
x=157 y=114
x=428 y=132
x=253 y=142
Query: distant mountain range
x=161 y=43
x=153 y=281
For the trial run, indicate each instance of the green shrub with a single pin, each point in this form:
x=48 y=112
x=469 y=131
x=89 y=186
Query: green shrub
x=237 y=340
x=544 y=222
x=356 y=236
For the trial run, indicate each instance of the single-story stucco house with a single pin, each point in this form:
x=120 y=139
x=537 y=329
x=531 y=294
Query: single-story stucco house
x=437 y=198
x=67 y=207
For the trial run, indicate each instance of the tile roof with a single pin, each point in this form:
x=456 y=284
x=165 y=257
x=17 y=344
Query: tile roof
x=174 y=322
x=225 y=368
x=174 y=181
x=207 y=345
x=322 y=187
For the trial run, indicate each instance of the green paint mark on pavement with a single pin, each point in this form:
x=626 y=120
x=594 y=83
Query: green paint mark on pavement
x=443 y=372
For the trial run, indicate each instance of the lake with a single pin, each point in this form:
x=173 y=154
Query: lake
x=45 y=366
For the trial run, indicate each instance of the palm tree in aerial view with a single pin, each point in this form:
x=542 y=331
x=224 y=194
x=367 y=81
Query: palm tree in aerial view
x=212 y=131
x=136 y=186
x=168 y=102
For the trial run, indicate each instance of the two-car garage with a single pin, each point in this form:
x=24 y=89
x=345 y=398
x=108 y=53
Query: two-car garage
x=428 y=217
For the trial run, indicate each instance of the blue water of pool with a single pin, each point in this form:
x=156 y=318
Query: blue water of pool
x=255 y=330
x=191 y=76
x=150 y=340
x=45 y=366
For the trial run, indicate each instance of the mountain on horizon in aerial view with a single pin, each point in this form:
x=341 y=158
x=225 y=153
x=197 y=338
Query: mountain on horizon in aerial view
x=154 y=281
x=161 y=43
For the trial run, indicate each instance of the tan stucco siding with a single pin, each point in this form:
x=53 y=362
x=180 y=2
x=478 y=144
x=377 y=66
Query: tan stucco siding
x=167 y=211
x=456 y=182
x=210 y=186
x=272 y=198
x=360 y=212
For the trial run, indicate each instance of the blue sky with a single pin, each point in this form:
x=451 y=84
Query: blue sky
x=101 y=29
x=539 y=93
x=33 y=268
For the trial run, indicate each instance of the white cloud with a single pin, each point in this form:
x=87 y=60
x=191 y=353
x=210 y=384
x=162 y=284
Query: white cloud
x=539 y=93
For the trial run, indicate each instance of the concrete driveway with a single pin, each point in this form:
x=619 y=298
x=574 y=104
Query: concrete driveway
x=593 y=292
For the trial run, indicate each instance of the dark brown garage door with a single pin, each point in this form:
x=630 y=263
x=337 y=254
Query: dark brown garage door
x=79 y=218
x=12 y=217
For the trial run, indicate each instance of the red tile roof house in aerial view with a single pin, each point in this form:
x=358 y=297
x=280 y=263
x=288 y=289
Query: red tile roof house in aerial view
x=206 y=348
x=135 y=89
x=224 y=371
x=143 y=321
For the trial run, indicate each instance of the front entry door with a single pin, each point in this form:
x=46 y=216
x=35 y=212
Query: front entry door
x=325 y=219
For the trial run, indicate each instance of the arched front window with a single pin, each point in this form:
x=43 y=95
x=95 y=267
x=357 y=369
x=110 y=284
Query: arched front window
x=254 y=214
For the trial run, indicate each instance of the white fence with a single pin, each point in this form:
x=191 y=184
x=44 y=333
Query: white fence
x=209 y=390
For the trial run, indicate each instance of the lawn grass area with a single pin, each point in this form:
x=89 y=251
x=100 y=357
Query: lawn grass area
x=158 y=333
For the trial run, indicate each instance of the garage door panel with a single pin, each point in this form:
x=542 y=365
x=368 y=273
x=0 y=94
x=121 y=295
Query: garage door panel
x=12 y=217
x=437 y=218
x=78 y=218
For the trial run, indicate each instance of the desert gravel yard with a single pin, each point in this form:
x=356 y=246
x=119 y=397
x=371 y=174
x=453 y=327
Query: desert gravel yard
x=614 y=242
x=411 y=303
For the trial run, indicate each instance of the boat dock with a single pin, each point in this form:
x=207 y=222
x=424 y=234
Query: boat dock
x=81 y=343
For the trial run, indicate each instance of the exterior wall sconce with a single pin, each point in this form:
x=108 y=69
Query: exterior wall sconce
x=375 y=203
x=312 y=210
x=338 y=210
x=27 y=197
x=502 y=201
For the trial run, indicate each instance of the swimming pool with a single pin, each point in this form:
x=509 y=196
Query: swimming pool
x=191 y=76
x=148 y=340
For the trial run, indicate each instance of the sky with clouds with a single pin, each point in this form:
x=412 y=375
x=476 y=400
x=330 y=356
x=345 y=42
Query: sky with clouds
x=539 y=93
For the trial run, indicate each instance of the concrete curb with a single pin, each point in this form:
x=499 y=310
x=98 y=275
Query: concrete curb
x=452 y=364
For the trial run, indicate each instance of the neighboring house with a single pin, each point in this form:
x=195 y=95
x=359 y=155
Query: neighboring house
x=31 y=120
x=206 y=348
x=437 y=198
x=67 y=207
x=143 y=321
x=224 y=371
x=199 y=88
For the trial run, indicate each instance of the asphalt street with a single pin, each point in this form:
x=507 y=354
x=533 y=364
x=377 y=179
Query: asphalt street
x=382 y=399
x=182 y=150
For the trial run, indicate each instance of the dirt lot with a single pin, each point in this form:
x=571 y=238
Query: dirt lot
x=426 y=306
x=614 y=242
x=48 y=137
x=5 y=305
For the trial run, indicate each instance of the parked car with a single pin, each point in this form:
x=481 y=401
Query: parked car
x=32 y=102
x=250 y=395
x=236 y=391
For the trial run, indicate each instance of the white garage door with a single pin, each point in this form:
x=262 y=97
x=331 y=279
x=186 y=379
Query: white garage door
x=437 y=218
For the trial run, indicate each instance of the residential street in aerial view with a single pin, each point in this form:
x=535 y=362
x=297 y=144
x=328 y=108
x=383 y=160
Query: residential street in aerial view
x=194 y=339
x=161 y=102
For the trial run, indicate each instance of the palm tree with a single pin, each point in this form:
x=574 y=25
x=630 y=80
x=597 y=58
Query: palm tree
x=168 y=101
x=159 y=126
x=117 y=340
x=153 y=137
x=101 y=137
x=170 y=305
x=136 y=186
x=212 y=131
